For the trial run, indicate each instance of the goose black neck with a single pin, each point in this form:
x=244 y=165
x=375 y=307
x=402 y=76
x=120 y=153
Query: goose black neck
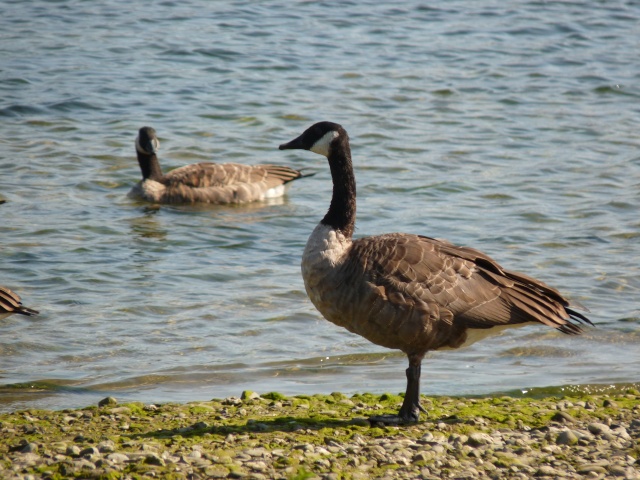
x=342 y=211
x=150 y=166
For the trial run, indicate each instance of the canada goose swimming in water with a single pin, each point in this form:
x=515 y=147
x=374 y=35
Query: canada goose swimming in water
x=224 y=183
x=10 y=303
x=411 y=292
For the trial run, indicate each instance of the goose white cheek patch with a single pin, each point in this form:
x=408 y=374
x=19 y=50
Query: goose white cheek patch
x=322 y=146
x=155 y=141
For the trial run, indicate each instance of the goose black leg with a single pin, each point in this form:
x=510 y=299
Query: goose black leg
x=411 y=408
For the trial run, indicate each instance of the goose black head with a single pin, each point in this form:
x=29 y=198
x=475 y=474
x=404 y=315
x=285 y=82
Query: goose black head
x=317 y=138
x=147 y=142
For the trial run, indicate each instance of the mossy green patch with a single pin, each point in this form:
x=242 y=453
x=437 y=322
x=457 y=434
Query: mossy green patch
x=274 y=396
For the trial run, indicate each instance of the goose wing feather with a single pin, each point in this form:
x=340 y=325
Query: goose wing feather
x=10 y=302
x=225 y=182
x=423 y=282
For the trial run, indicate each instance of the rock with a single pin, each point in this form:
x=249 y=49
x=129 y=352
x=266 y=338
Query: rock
x=29 y=429
x=106 y=446
x=258 y=466
x=89 y=451
x=547 y=471
x=73 y=451
x=621 y=432
x=28 y=459
x=30 y=448
x=258 y=452
x=117 y=458
x=107 y=402
x=563 y=417
x=422 y=457
x=121 y=411
x=567 y=437
x=154 y=459
x=249 y=395
x=598 y=428
x=83 y=463
x=617 y=471
x=216 y=471
x=477 y=439
x=591 y=467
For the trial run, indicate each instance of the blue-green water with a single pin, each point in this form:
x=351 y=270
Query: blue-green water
x=512 y=128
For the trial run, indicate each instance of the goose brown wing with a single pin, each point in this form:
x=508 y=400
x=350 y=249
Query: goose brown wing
x=459 y=285
x=528 y=299
x=10 y=303
x=278 y=174
x=205 y=175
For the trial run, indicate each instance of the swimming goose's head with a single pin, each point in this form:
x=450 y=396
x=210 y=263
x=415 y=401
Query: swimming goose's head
x=318 y=138
x=147 y=142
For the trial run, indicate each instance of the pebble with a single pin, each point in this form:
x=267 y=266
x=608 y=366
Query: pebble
x=547 y=471
x=563 y=417
x=107 y=402
x=73 y=450
x=30 y=448
x=107 y=446
x=154 y=459
x=567 y=437
x=591 y=467
x=249 y=395
x=598 y=428
x=477 y=439
x=88 y=452
x=118 y=458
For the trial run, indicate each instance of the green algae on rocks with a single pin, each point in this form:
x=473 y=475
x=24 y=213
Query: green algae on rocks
x=328 y=437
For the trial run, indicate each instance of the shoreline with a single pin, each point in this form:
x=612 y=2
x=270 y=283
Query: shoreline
x=329 y=437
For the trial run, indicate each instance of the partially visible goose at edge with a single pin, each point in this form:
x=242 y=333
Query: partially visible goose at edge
x=224 y=183
x=411 y=292
x=10 y=302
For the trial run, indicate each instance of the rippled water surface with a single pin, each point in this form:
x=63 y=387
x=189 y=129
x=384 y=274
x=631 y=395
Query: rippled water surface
x=513 y=128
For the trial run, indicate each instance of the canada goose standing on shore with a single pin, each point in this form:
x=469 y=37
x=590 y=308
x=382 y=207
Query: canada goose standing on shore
x=214 y=183
x=411 y=292
x=10 y=302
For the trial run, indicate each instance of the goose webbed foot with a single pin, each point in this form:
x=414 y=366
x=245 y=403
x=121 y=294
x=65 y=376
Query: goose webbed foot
x=411 y=408
x=405 y=416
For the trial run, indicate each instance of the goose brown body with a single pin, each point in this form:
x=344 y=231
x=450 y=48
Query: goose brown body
x=411 y=292
x=214 y=183
x=10 y=302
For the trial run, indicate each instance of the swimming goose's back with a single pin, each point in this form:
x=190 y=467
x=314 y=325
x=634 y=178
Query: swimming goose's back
x=221 y=183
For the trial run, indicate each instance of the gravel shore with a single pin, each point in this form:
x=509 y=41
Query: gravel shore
x=328 y=437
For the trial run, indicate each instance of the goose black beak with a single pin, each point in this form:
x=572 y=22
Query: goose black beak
x=295 y=144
